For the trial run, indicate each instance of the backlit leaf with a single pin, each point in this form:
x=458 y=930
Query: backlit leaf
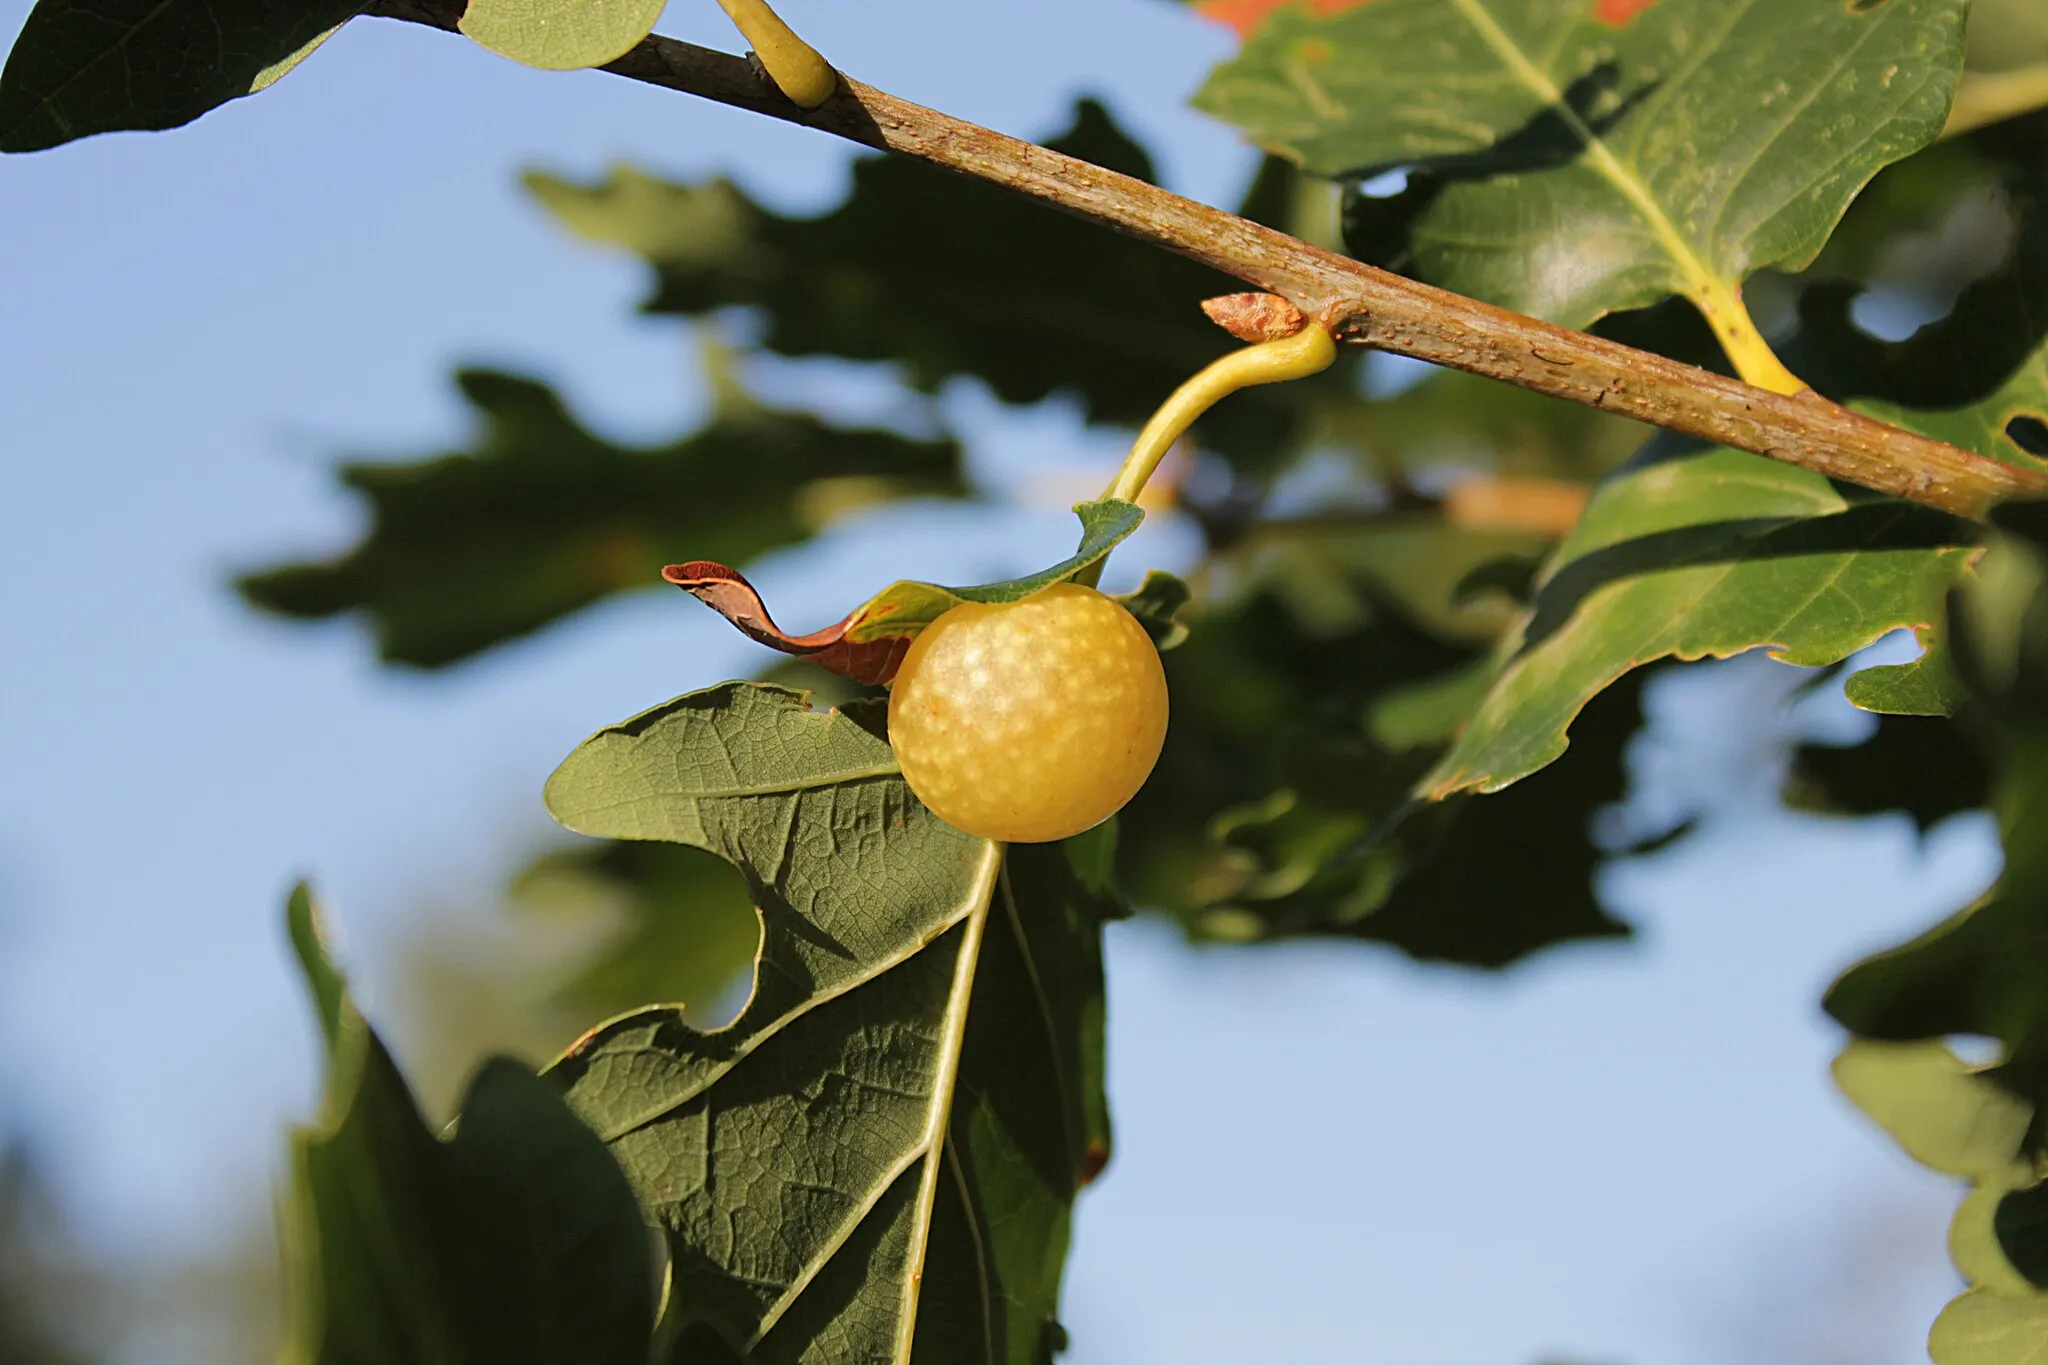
x=1984 y=1328
x=561 y=35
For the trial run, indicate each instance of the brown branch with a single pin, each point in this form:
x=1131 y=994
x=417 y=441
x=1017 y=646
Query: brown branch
x=1359 y=302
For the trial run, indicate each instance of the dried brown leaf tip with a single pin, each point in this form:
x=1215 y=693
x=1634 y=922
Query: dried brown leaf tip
x=1255 y=317
x=726 y=591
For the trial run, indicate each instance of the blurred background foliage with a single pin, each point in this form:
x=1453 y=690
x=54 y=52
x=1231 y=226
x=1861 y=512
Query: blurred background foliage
x=1367 y=538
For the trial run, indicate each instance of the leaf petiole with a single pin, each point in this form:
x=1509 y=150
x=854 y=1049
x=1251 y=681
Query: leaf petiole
x=1754 y=360
x=1307 y=352
x=793 y=64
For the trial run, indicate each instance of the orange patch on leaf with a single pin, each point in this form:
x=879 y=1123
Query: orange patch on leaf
x=1618 y=13
x=1245 y=15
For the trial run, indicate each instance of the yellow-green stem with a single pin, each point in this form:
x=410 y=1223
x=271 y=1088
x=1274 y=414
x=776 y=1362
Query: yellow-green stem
x=1307 y=352
x=793 y=64
x=1754 y=360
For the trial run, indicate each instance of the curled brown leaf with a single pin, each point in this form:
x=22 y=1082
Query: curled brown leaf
x=726 y=591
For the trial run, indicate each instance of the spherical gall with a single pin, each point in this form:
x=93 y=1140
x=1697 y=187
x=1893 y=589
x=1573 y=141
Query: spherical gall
x=1030 y=720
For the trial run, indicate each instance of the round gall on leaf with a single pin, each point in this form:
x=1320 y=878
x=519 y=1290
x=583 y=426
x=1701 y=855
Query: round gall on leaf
x=1031 y=720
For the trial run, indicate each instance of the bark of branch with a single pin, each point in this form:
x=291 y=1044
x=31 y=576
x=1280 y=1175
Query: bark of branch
x=1358 y=302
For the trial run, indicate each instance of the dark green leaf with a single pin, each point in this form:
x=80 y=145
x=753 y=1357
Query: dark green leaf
x=1570 y=166
x=912 y=1095
x=1922 y=765
x=518 y=1240
x=1271 y=755
x=1986 y=343
x=1981 y=972
x=948 y=276
x=1489 y=880
x=1984 y=971
x=98 y=66
x=543 y=517
x=1157 y=603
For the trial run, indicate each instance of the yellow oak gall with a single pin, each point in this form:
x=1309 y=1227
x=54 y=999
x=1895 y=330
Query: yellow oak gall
x=1030 y=720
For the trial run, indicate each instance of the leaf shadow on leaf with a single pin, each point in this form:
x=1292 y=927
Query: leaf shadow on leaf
x=1378 y=228
x=1895 y=526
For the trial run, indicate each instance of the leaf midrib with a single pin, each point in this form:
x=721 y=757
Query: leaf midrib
x=982 y=885
x=941 y=1123
x=1699 y=279
x=930 y=1146
x=785 y=787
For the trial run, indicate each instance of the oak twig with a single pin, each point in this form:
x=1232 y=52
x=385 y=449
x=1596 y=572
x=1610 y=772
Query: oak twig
x=1358 y=302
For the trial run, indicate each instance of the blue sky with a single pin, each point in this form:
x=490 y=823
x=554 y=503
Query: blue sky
x=1324 y=1153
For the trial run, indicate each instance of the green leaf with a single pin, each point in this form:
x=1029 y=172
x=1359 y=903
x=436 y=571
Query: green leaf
x=1994 y=423
x=946 y=276
x=1689 y=554
x=99 y=66
x=1974 y=1246
x=517 y=1239
x=1569 y=167
x=543 y=517
x=1157 y=603
x=1695 y=554
x=1981 y=972
x=1273 y=810
x=876 y=1160
x=1927 y=686
x=1924 y=766
x=561 y=35
x=1985 y=970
